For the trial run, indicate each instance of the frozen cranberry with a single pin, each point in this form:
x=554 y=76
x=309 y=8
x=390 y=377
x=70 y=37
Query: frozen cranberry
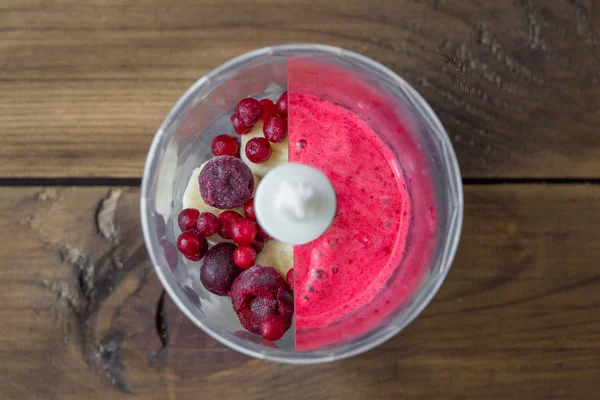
x=224 y=145
x=282 y=105
x=259 y=292
x=192 y=245
x=187 y=219
x=226 y=182
x=249 y=111
x=273 y=327
x=258 y=150
x=275 y=129
x=207 y=224
x=226 y=220
x=243 y=231
x=218 y=271
x=257 y=244
x=262 y=233
x=244 y=256
x=239 y=127
x=249 y=210
x=290 y=278
x=268 y=109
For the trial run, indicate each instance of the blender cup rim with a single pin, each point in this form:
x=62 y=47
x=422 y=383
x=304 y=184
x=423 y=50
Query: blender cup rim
x=420 y=300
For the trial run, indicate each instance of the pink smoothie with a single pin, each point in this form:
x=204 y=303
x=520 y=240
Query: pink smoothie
x=350 y=264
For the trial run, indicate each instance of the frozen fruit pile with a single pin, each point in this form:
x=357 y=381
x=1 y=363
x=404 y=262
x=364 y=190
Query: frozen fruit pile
x=218 y=224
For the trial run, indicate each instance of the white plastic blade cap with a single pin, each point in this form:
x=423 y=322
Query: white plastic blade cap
x=295 y=203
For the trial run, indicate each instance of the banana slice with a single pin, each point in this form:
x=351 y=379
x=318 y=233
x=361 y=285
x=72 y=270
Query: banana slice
x=279 y=153
x=277 y=254
x=193 y=199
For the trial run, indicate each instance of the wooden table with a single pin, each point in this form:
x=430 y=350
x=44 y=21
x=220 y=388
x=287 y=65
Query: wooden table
x=83 y=88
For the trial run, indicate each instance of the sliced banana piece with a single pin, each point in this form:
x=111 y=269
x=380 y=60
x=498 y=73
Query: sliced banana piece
x=279 y=152
x=193 y=199
x=277 y=254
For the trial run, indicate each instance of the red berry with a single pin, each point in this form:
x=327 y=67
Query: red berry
x=257 y=244
x=226 y=220
x=207 y=224
x=289 y=277
x=244 y=256
x=282 y=105
x=258 y=150
x=238 y=126
x=225 y=182
x=258 y=292
x=243 y=231
x=273 y=327
x=192 y=245
x=224 y=145
x=187 y=219
x=262 y=233
x=218 y=271
x=268 y=109
x=249 y=111
x=275 y=129
x=249 y=210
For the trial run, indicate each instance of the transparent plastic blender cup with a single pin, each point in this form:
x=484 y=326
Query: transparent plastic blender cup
x=384 y=101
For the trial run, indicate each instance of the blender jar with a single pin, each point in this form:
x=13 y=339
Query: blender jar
x=399 y=116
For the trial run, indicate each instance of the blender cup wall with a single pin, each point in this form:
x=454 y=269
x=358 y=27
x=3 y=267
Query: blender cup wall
x=392 y=108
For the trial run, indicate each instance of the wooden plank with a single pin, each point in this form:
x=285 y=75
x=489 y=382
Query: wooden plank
x=86 y=129
x=84 y=87
x=515 y=319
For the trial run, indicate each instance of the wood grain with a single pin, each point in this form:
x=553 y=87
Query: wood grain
x=516 y=318
x=83 y=87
